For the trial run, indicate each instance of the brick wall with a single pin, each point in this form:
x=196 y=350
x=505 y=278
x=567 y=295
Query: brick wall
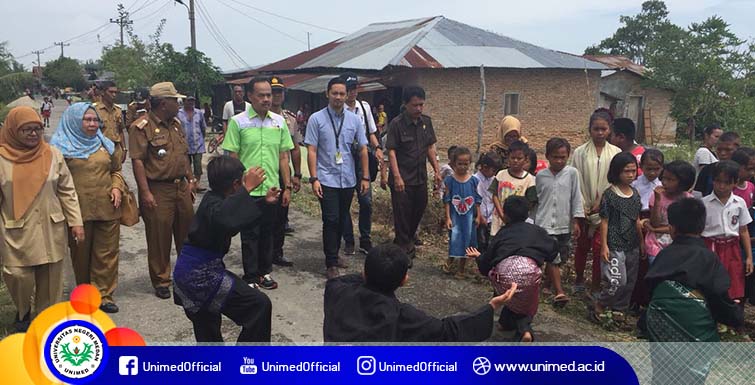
x=552 y=103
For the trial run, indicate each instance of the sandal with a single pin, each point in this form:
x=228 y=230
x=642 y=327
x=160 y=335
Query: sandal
x=447 y=268
x=560 y=300
x=579 y=288
x=532 y=337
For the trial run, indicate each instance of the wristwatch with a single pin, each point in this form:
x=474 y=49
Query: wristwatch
x=312 y=179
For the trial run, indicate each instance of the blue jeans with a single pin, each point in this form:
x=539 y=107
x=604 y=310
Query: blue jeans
x=365 y=220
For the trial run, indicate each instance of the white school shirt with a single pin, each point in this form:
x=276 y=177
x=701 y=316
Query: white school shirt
x=724 y=220
x=645 y=187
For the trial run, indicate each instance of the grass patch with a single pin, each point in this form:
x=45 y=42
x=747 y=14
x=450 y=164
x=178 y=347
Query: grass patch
x=7 y=312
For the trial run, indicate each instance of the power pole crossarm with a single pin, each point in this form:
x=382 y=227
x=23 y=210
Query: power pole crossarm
x=122 y=22
x=61 y=44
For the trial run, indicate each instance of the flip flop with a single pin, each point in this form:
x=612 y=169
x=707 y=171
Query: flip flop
x=560 y=300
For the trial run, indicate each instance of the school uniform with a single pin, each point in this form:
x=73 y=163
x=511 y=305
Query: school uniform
x=721 y=235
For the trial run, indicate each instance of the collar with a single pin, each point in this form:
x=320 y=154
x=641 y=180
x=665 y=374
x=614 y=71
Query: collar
x=712 y=197
x=332 y=111
x=408 y=119
x=253 y=113
x=156 y=119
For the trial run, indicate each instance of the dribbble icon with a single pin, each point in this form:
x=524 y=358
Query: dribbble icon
x=366 y=365
x=128 y=365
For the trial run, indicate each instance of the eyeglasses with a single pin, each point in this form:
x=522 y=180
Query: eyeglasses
x=37 y=130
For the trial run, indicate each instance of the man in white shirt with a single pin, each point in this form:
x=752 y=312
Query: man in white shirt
x=233 y=107
x=364 y=111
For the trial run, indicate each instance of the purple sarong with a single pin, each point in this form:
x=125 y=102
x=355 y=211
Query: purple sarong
x=526 y=274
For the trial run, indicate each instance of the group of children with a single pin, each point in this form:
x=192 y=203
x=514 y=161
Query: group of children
x=613 y=196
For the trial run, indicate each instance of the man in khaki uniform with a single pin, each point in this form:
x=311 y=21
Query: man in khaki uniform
x=141 y=102
x=281 y=212
x=160 y=157
x=111 y=116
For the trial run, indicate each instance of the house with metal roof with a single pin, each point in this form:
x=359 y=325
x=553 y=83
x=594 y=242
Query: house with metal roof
x=463 y=69
x=624 y=92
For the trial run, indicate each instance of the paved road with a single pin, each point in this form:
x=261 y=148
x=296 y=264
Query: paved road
x=297 y=303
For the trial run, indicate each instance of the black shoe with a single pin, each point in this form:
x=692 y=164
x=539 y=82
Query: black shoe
x=288 y=229
x=267 y=282
x=282 y=261
x=162 y=292
x=110 y=307
x=365 y=246
x=349 y=250
x=22 y=326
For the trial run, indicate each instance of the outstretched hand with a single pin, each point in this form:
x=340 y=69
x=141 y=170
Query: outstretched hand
x=498 y=302
x=253 y=178
x=473 y=252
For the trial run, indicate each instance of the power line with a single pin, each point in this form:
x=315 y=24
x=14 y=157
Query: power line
x=263 y=23
x=207 y=14
x=145 y=4
x=288 y=18
x=223 y=46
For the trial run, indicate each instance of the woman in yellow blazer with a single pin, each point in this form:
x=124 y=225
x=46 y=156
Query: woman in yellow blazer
x=99 y=185
x=38 y=204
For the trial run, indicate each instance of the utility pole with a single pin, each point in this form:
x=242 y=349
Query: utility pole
x=192 y=26
x=39 y=61
x=61 y=44
x=122 y=22
x=308 y=35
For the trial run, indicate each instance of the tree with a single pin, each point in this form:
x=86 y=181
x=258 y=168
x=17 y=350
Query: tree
x=710 y=71
x=191 y=72
x=65 y=72
x=638 y=33
x=8 y=63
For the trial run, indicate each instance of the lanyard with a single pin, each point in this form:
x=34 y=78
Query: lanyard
x=340 y=127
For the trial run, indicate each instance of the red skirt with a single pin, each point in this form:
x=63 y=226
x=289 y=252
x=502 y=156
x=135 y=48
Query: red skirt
x=730 y=255
x=46 y=114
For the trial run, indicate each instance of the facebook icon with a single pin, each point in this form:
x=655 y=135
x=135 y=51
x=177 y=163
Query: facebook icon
x=128 y=365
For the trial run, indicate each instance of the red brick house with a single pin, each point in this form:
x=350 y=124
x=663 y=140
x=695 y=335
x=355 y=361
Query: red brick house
x=552 y=93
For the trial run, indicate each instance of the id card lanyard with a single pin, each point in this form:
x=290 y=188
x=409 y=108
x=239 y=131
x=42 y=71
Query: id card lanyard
x=337 y=132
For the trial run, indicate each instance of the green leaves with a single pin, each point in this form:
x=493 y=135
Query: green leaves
x=65 y=72
x=708 y=68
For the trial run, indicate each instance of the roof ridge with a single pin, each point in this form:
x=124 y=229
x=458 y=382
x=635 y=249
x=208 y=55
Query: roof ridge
x=431 y=23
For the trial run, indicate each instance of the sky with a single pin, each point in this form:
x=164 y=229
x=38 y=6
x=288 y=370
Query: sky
x=264 y=32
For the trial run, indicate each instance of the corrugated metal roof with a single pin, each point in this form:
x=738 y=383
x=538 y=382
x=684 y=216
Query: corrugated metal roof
x=434 y=42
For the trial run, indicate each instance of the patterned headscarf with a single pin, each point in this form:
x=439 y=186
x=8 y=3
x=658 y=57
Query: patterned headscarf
x=31 y=166
x=72 y=141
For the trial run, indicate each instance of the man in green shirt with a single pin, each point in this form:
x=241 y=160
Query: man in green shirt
x=259 y=137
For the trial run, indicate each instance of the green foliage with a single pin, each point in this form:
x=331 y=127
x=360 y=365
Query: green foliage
x=7 y=63
x=191 y=71
x=13 y=85
x=637 y=34
x=65 y=72
x=710 y=71
x=142 y=63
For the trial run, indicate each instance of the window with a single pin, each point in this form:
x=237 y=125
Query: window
x=510 y=104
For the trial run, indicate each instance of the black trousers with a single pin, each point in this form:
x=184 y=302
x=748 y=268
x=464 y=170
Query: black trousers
x=335 y=206
x=280 y=218
x=249 y=308
x=514 y=321
x=257 y=246
x=408 y=208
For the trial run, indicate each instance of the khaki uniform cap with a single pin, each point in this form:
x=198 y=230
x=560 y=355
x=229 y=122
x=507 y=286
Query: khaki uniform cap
x=164 y=90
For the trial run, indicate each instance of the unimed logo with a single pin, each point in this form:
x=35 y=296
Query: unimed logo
x=128 y=365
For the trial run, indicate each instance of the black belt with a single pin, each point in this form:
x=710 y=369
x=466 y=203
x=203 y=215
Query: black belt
x=176 y=180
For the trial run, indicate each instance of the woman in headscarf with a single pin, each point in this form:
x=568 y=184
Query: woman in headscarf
x=38 y=203
x=509 y=131
x=99 y=184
